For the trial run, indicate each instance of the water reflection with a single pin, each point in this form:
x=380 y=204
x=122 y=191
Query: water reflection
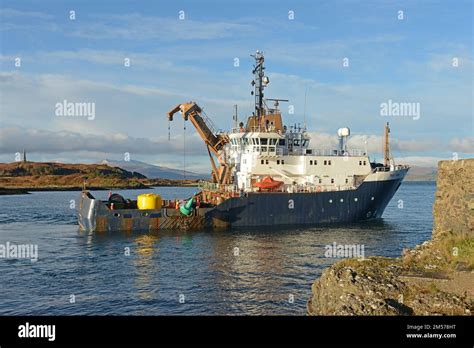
x=250 y=271
x=145 y=267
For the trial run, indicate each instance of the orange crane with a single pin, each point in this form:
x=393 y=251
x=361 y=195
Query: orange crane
x=214 y=141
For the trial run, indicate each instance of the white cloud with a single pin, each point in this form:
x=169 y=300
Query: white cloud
x=15 y=139
x=375 y=143
x=464 y=145
x=421 y=161
x=135 y=26
x=9 y=12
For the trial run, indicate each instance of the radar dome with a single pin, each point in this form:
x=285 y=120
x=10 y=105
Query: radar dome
x=343 y=132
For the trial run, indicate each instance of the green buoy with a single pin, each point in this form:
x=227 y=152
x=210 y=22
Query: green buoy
x=186 y=209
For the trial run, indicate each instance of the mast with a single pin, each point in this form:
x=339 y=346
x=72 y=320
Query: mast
x=386 y=146
x=259 y=82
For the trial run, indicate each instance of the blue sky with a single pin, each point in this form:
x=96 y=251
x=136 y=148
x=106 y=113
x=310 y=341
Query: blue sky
x=173 y=61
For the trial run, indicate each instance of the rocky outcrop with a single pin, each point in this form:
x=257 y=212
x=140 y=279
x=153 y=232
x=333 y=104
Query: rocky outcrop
x=453 y=210
x=435 y=278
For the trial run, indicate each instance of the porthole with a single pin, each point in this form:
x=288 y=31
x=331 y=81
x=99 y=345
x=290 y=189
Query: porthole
x=372 y=198
x=356 y=199
x=330 y=201
x=117 y=214
x=342 y=200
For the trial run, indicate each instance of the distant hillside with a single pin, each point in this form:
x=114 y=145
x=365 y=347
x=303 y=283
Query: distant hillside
x=422 y=174
x=152 y=171
x=62 y=175
x=20 y=177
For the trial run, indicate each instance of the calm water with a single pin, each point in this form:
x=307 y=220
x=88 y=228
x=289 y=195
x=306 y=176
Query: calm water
x=272 y=267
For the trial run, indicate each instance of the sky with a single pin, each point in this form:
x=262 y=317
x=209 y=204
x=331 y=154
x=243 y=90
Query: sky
x=348 y=57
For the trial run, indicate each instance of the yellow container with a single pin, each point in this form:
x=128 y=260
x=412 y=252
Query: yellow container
x=149 y=201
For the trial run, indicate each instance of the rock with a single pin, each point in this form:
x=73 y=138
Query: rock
x=383 y=286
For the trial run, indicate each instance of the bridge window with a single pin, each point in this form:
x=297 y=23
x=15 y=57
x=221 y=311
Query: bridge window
x=264 y=141
x=281 y=142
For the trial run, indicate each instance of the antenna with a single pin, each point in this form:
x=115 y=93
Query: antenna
x=235 y=117
x=304 y=109
x=276 y=101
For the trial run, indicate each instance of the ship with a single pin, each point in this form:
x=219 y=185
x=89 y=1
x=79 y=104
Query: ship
x=263 y=173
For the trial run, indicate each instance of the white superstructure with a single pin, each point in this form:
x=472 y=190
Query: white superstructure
x=264 y=147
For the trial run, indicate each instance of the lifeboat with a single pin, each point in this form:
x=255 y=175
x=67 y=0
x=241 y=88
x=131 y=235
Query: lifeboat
x=268 y=183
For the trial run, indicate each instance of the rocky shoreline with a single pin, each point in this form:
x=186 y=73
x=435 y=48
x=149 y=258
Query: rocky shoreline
x=435 y=278
x=25 y=177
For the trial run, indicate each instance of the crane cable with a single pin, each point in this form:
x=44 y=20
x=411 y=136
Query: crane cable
x=184 y=149
x=169 y=130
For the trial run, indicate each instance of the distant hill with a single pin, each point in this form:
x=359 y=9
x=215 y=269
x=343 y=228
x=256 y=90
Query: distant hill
x=18 y=177
x=151 y=171
x=422 y=174
x=65 y=175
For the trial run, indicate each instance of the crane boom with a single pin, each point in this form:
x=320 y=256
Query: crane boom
x=214 y=142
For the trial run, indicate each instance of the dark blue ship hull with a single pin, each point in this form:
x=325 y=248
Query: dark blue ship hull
x=366 y=202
